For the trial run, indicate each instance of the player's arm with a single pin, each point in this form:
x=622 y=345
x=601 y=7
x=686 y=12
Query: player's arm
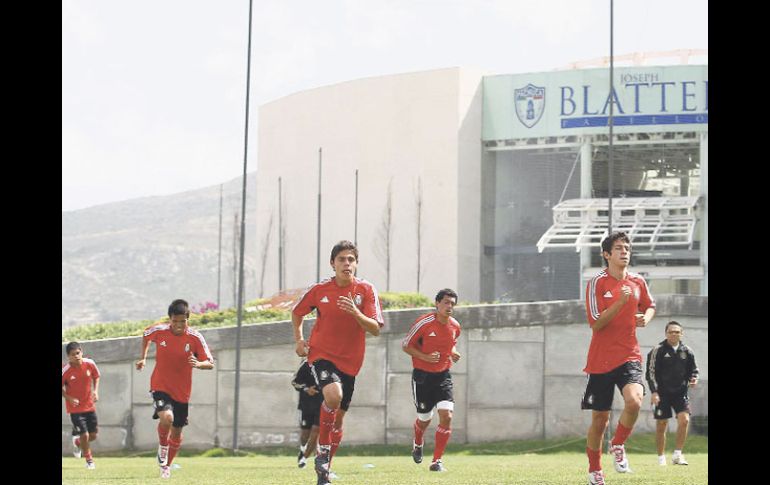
x=414 y=352
x=346 y=304
x=455 y=354
x=143 y=356
x=72 y=400
x=95 y=390
x=301 y=347
x=200 y=348
x=607 y=315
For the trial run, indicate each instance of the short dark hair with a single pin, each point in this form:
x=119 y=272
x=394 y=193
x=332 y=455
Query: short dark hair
x=609 y=241
x=72 y=346
x=446 y=292
x=673 y=322
x=179 y=307
x=342 y=246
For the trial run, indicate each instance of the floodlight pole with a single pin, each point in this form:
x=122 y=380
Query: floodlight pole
x=610 y=121
x=243 y=244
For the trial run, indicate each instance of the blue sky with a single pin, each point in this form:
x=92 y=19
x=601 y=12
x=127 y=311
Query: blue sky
x=153 y=91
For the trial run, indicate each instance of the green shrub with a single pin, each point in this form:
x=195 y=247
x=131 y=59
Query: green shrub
x=393 y=301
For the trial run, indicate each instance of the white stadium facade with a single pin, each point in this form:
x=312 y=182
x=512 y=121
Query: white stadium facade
x=506 y=177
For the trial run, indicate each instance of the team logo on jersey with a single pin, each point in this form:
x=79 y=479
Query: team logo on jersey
x=666 y=356
x=162 y=343
x=682 y=355
x=324 y=300
x=358 y=299
x=72 y=378
x=636 y=293
x=88 y=373
x=186 y=347
x=432 y=334
x=608 y=295
x=530 y=104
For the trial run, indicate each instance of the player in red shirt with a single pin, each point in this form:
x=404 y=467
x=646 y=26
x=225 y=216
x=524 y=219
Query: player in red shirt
x=617 y=302
x=432 y=344
x=80 y=390
x=178 y=350
x=347 y=308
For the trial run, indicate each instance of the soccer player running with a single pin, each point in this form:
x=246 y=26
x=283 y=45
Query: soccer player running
x=309 y=406
x=617 y=302
x=671 y=370
x=431 y=342
x=347 y=309
x=178 y=350
x=80 y=390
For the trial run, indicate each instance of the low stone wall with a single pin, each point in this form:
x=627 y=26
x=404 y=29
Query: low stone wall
x=520 y=377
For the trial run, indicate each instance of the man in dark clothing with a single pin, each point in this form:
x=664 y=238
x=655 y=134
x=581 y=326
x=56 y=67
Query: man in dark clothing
x=671 y=371
x=309 y=405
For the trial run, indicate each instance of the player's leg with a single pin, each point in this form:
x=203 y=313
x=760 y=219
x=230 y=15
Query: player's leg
x=682 y=408
x=312 y=441
x=328 y=380
x=598 y=398
x=443 y=433
x=348 y=388
x=77 y=430
x=163 y=411
x=305 y=426
x=89 y=437
x=629 y=381
x=661 y=425
x=181 y=411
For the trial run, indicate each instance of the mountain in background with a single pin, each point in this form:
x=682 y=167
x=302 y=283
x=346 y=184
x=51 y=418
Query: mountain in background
x=128 y=260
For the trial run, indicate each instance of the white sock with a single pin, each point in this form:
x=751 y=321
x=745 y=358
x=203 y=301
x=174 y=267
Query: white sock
x=677 y=452
x=302 y=448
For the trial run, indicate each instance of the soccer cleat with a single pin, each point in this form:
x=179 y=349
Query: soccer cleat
x=162 y=455
x=437 y=466
x=322 y=465
x=417 y=453
x=165 y=472
x=301 y=460
x=75 y=448
x=620 y=460
x=679 y=460
x=90 y=465
x=596 y=478
x=661 y=460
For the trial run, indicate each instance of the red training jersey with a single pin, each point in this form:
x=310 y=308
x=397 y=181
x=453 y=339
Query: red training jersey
x=78 y=381
x=615 y=344
x=428 y=335
x=172 y=373
x=336 y=335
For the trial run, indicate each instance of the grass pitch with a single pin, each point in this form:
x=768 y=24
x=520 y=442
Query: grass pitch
x=495 y=464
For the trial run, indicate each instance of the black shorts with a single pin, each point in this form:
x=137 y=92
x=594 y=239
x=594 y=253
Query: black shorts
x=309 y=418
x=600 y=389
x=430 y=388
x=679 y=401
x=84 y=423
x=325 y=372
x=163 y=402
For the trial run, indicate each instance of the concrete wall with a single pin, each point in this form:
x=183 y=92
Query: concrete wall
x=520 y=377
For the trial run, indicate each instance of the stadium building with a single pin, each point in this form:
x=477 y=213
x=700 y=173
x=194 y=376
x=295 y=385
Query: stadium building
x=495 y=185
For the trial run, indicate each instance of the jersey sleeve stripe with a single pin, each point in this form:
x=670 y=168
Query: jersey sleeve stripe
x=93 y=363
x=652 y=361
x=307 y=290
x=415 y=328
x=593 y=305
x=65 y=369
x=150 y=330
x=203 y=343
x=377 y=307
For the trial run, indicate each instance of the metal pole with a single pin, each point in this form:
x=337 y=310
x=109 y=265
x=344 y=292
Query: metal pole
x=610 y=122
x=219 y=261
x=243 y=243
x=280 y=239
x=318 y=240
x=355 y=227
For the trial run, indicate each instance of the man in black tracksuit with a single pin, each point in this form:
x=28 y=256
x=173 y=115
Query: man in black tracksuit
x=671 y=370
x=309 y=404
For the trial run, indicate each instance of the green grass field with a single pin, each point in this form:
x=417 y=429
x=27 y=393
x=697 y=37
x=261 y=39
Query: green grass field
x=466 y=465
